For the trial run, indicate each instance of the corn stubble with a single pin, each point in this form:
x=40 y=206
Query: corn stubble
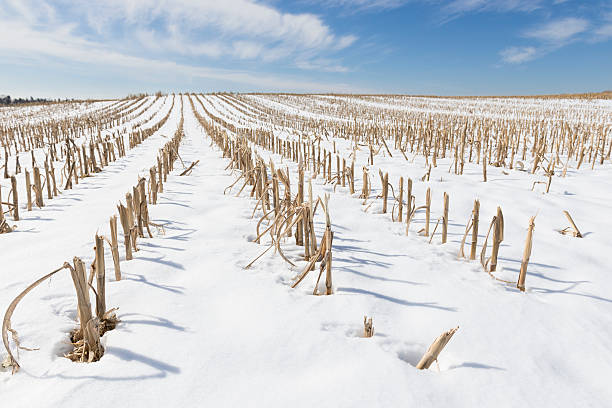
x=522 y=142
x=85 y=339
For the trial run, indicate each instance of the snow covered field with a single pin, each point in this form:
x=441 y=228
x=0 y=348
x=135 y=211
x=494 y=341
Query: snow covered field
x=198 y=329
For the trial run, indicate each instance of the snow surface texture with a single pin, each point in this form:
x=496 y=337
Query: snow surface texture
x=198 y=329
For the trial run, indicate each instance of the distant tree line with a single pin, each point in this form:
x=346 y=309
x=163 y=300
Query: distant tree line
x=7 y=100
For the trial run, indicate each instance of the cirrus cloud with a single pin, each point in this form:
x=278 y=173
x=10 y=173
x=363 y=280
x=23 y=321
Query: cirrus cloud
x=558 y=31
x=518 y=55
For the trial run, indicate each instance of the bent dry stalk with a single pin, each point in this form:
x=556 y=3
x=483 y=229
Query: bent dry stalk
x=574 y=229
x=435 y=349
x=6 y=321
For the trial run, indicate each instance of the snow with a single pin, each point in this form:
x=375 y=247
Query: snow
x=199 y=329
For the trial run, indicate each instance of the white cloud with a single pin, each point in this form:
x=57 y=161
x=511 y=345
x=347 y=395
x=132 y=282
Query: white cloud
x=449 y=8
x=29 y=10
x=321 y=64
x=603 y=33
x=456 y=7
x=18 y=41
x=247 y=49
x=518 y=55
x=239 y=29
x=345 y=41
x=235 y=18
x=362 y=4
x=552 y=36
x=174 y=42
x=559 y=31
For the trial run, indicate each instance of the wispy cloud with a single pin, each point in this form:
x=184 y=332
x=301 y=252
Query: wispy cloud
x=449 y=9
x=603 y=33
x=518 y=55
x=362 y=5
x=22 y=41
x=231 y=18
x=174 y=42
x=558 y=31
x=239 y=29
x=321 y=65
x=457 y=8
x=550 y=37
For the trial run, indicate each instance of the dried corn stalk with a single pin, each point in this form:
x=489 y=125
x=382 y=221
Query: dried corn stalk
x=573 y=230
x=6 y=321
x=115 y=247
x=86 y=339
x=368 y=328
x=435 y=349
x=526 y=255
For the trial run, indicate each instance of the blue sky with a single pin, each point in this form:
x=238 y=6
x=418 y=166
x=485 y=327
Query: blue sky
x=109 y=48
